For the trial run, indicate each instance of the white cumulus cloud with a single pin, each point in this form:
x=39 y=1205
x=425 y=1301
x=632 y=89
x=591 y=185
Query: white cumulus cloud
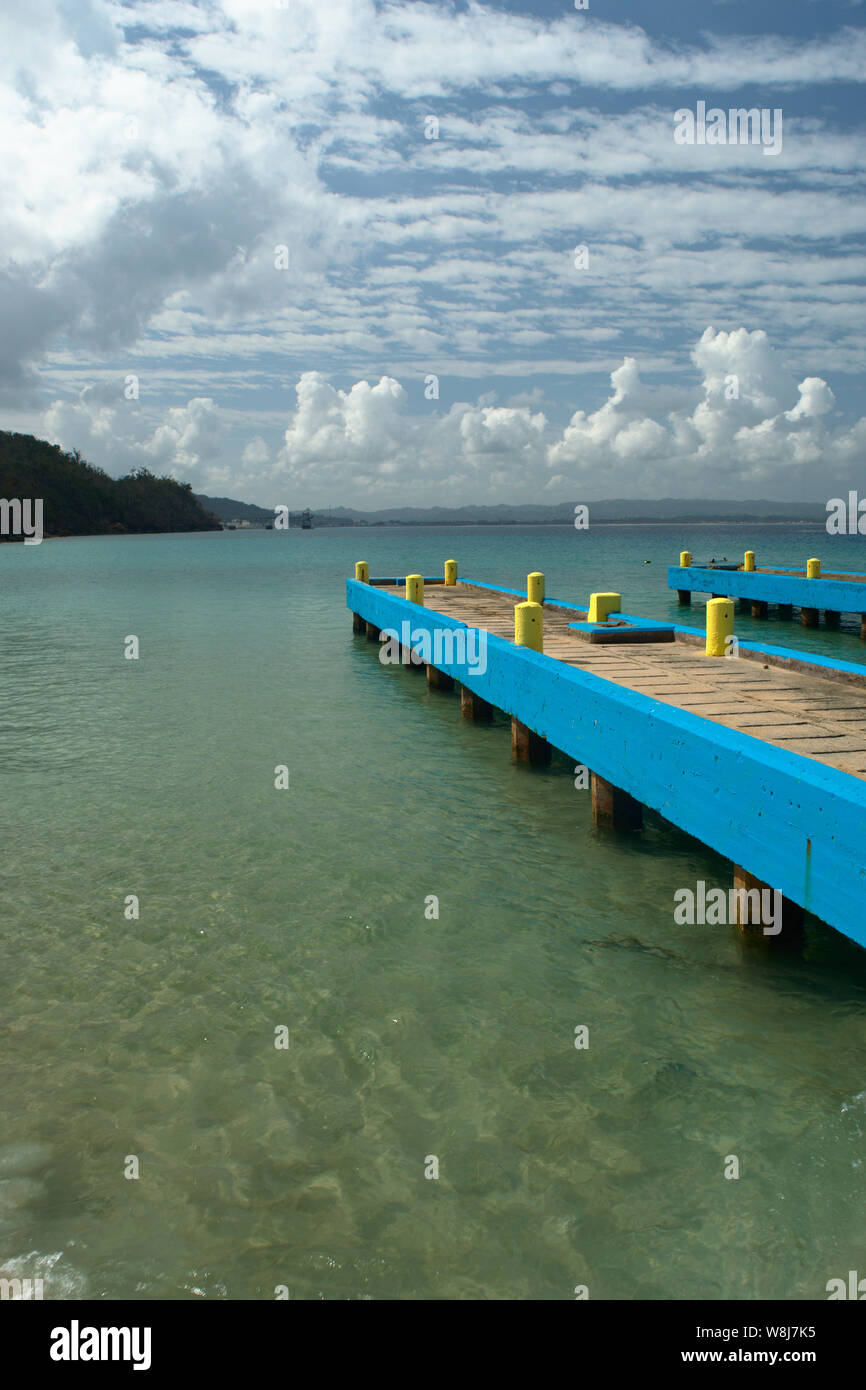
x=747 y=428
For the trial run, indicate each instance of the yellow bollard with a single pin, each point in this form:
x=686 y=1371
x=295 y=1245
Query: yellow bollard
x=450 y=573
x=535 y=587
x=685 y=559
x=415 y=588
x=813 y=569
x=600 y=605
x=720 y=625
x=749 y=561
x=529 y=626
x=362 y=571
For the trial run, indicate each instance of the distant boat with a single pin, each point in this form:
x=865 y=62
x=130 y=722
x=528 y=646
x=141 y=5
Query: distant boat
x=307 y=520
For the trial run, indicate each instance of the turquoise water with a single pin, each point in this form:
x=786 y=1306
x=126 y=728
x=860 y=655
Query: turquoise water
x=305 y=908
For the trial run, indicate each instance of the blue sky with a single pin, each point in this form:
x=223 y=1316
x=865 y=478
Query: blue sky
x=433 y=321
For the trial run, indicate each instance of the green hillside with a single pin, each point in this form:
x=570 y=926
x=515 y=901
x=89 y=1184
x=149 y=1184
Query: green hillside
x=81 y=500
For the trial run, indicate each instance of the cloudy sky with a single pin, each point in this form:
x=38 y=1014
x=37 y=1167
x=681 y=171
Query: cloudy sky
x=317 y=252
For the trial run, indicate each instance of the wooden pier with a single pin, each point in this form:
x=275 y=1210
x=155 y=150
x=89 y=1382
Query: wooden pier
x=811 y=590
x=762 y=757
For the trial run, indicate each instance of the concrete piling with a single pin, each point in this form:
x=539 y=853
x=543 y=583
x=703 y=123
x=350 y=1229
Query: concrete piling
x=614 y=808
x=439 y=680
x=752 y=897
x=473 y=707
x=527 y=746
x=362 y=574
x=685 y=595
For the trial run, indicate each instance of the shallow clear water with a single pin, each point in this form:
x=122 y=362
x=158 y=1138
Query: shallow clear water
x=408 y=1037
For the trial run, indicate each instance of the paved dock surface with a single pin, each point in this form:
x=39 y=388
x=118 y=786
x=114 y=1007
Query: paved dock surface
x=815 y=716
x=801 y=574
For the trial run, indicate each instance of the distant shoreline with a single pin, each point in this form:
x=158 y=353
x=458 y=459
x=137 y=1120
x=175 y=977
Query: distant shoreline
x=568 y=525
x=433 y=525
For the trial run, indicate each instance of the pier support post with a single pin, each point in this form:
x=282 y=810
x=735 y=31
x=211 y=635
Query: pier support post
x=614 y=808
x=759 y=608
x=785 y=610
x=438 y=680
x=527 y=746
x=831 y=618
x=810 y=615
x=685 y=595
x=744 y=605
x=863 y=627
x=749 y=914
x=372 y=632
x=473 y=707
x=362 y=575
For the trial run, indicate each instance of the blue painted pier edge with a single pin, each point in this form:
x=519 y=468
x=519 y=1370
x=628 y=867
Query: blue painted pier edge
x=833 y=595
x=789 y=820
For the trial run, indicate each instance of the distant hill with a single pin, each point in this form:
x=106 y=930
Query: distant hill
x=227 y=509
x=81 y=500
x=666 y=509
x=230 y=509
x=622 y=510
